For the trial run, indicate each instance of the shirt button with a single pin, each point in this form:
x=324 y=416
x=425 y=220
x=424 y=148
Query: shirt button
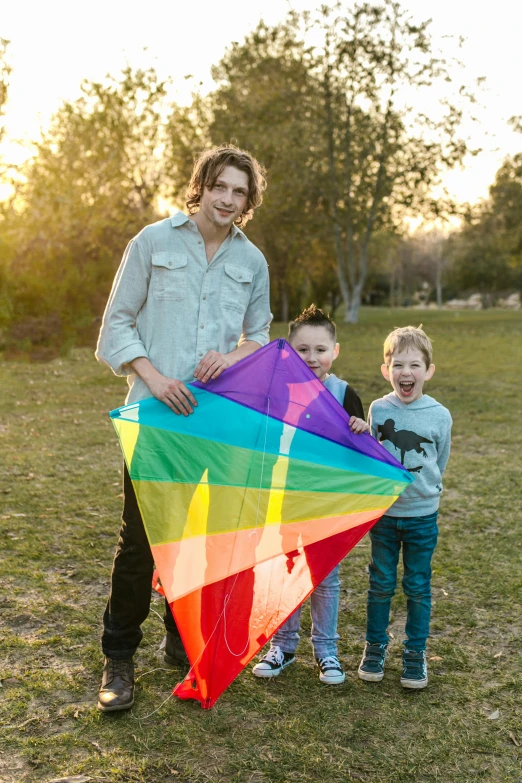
x=202 y=326
x=204 y=297
x=201 y=354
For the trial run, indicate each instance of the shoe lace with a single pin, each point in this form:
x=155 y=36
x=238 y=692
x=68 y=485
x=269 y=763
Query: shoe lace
x=118 y=668
x=329 y=662
x=275 y=655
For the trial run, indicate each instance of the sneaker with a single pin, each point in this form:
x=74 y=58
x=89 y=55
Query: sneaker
x=117 y=688
x=273 y=663
x=371 y=668
x=414 y=669
x=330 y=670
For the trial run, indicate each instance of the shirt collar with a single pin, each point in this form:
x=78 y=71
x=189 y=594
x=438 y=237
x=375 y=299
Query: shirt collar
x=236 y=232
x=179 y=219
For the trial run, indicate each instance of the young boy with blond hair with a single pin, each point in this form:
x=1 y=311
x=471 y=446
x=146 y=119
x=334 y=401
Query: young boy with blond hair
x=416 y=429
x=313 y=336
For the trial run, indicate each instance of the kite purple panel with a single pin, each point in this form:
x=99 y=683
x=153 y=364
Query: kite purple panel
x=284 y=387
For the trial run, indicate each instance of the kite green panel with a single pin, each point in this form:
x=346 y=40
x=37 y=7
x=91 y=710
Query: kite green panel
x=177 y=457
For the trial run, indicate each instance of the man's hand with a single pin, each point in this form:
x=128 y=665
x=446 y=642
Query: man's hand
x=212 y=365
x=173 y=393
x=358 y=425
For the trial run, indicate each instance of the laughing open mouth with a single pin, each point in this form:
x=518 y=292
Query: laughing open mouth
x=406 y=387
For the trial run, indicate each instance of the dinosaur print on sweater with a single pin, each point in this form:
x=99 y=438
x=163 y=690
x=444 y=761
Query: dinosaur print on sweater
x=403 y=440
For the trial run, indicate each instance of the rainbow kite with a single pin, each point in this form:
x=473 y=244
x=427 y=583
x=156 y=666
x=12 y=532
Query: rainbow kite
x=249 y=503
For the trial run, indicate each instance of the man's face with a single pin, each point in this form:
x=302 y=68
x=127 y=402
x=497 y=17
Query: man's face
x=226 y=201
x=407 y=373
x=315 y=346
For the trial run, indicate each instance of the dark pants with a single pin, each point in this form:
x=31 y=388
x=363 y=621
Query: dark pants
x=418 y=537
x=131 y=581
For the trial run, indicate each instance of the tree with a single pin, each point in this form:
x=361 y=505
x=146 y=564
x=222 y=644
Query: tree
x=6 y=309
x=266 y=100
x=487 y=253
x=92 y=183
x=348 y=157
x=384 y=156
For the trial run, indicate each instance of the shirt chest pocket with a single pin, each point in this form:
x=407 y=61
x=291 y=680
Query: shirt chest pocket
x=169 y=276
x=236 y=287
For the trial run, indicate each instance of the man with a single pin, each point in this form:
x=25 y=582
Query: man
x=191 y=298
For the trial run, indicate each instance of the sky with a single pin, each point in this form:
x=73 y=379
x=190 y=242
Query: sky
x=56 y=44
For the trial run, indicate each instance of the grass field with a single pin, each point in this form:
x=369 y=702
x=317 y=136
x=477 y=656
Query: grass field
x=60 y=496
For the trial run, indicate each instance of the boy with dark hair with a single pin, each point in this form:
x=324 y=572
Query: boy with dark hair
x=417 y=429
x=313 y=336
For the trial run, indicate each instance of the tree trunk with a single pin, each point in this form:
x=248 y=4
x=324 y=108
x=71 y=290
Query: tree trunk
x=334 y=194
x=351 y=315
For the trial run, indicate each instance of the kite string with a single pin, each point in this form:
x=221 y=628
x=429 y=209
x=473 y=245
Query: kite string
x=144 y=717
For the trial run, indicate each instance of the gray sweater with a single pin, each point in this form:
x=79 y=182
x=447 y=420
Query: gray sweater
x=419 y=436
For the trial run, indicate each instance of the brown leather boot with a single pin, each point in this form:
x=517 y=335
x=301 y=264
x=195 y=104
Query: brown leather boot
x=175 y=653
x=117 y=688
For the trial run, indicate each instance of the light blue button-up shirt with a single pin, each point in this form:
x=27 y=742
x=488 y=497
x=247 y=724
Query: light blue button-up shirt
x=170 y=305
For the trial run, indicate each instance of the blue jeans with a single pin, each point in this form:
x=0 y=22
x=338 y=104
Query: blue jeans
x=324 y=608
x=418 y=536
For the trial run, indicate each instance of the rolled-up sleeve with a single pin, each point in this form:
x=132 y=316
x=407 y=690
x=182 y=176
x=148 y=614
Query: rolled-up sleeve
x=256 y=324
x=119 y=342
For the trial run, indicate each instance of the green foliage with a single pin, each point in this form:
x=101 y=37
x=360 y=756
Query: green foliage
x=91 y=185
x=186 y=138
x=487 y=253
x=266 y=100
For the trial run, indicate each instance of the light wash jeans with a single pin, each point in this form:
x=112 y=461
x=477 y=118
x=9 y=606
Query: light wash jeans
x=417 y=536
x=324 y=608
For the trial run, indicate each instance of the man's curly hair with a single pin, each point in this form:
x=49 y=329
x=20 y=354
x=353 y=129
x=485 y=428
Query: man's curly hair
x=208 y=168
